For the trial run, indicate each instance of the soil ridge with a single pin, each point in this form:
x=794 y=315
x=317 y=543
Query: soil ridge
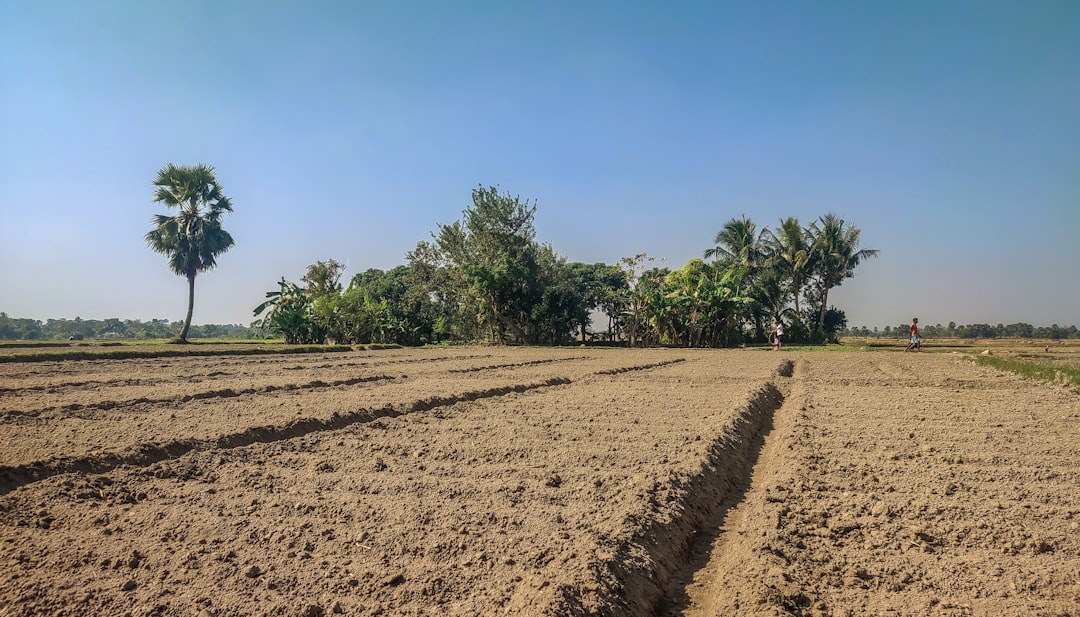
x=633 y=581
x=206 y=394
x=146 y=454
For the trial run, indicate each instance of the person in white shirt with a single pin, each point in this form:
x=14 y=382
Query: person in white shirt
x=778 y=335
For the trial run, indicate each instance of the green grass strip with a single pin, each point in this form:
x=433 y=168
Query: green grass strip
x=1062 y=375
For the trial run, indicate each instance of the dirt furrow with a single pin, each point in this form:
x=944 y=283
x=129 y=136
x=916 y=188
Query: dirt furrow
x=530 y=503
x=148 y=452
x=927 y=495
x=143 y=454
x=103 y=373
x=635 y=574
x=66 y=410
x=640 y=367
x=489 y=367
x=721 y=575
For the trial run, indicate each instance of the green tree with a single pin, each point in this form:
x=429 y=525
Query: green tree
x=773 y=294
x=562 y=304
x=636 y=293
x=591 y=286
x=492 y=255
x=323 y=288
x=381 y=307
x=687 y=295
x=705 y=304
x=290 y=315
x=729 y=306
x=193 y=238
x=430 y=287
x=610 y=285
x=322 y=278
x=739 y=244
x=788 y=253
x=835 y=253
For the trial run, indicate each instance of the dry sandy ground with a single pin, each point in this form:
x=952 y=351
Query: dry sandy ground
x=902 y=484
x=537 y=482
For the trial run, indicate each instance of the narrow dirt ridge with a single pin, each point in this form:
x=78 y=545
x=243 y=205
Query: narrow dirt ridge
x=381 y=362
x=892 y=371
x=67 y=385
x=476 y=369
x=142 y=455
x=637 y=577
x=208 y=394
x=129 y=354
x=14 y=476
x=715 y=564
x=640 y=367
x=149 y=381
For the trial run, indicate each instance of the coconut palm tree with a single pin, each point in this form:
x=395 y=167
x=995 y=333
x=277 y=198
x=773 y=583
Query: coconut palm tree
x=739 y=244
x=789 y=253
x=835 y=252
x=192 y=238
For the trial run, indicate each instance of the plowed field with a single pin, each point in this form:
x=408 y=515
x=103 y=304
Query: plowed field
x=486 y=481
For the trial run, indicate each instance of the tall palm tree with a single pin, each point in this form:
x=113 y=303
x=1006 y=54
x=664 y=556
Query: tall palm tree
x=789 y=252
x=193 y=237
x=836 y=253
x=739 y=244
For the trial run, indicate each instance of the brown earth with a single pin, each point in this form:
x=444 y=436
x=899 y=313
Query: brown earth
x=488 y=481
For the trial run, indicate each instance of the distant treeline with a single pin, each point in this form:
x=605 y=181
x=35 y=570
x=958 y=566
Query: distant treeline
x=979 y=330
x=21 y=329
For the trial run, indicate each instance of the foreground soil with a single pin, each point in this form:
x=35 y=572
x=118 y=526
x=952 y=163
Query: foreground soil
x=537 y=482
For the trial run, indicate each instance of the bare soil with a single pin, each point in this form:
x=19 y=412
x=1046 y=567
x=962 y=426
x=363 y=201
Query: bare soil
x=486 y=481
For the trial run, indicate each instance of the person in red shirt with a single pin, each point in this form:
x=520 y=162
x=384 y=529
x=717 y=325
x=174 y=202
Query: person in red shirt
x=916 y=341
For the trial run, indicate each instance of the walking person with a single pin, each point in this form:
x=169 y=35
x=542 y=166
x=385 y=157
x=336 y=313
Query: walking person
x=778 y=335
x=915 y=341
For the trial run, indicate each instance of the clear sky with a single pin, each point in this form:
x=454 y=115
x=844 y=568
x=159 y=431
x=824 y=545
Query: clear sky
x=947 y=131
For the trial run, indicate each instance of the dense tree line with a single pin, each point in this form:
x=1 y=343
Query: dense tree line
x=971 y=331
x=486 y=278
x=15 y=328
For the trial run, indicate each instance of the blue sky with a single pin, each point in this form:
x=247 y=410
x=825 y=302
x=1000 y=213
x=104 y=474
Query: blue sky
x=948 y=132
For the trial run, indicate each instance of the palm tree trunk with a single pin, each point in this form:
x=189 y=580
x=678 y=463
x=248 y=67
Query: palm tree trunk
x=824 y=305
x=190 y=306
x=692 y=339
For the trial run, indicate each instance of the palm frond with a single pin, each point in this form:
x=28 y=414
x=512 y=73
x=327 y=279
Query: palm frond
x=193 y=238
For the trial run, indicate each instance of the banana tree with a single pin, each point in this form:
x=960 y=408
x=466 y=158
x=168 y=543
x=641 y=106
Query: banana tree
x=290 y=314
